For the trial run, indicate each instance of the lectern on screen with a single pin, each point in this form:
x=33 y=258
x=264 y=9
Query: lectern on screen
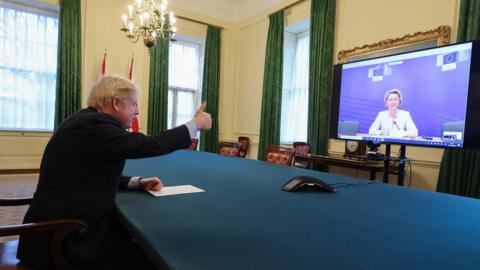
x=429 y=97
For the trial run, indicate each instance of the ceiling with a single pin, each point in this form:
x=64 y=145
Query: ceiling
x=227 y=10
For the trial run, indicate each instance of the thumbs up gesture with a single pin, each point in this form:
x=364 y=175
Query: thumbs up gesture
x=202 y=119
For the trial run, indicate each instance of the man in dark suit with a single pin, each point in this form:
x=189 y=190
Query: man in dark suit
x=81 y=172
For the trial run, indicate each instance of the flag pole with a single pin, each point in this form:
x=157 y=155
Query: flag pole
x=135 y=125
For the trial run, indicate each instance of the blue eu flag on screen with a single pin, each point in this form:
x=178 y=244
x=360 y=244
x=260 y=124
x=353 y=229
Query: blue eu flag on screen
x=450 y=58
x=378 y=72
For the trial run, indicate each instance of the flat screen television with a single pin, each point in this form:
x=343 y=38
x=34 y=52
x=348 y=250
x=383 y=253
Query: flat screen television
x=429 y=97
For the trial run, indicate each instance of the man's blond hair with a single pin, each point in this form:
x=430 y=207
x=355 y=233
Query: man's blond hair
x=110 y=86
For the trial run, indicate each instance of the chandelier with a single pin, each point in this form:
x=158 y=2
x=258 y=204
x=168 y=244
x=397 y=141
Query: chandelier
x=149 y=19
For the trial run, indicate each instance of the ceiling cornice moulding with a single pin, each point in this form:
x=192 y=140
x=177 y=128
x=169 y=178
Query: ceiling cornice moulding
x=232 y=11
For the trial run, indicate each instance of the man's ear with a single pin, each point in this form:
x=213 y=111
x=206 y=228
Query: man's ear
x=115 y=103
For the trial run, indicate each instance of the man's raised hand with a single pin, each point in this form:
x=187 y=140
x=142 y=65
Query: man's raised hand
x=202 y=119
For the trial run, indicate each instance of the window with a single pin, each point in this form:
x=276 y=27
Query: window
x=28 y=67
x=184 y=79
x=294 y=117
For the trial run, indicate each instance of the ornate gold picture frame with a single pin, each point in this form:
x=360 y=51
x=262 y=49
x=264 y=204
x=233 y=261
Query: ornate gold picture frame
x=419 y=40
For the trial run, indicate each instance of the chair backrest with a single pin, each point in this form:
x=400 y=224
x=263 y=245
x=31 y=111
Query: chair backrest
x=194 y=144
x=231 y=149
x=59 y=228
x=279 y=155
x=301 y=149
x=457 y=126
x=348 y=127
x=244 y=145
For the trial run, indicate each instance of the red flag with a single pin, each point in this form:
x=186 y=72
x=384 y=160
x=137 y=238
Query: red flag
x=104 y=63
x=135 y=124
x=131 y=70
x=135 y=119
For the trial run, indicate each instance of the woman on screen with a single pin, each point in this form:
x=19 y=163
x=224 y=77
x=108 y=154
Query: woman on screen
x=393 y=122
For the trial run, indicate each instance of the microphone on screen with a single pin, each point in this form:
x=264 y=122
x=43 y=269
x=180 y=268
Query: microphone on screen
x=395 y=124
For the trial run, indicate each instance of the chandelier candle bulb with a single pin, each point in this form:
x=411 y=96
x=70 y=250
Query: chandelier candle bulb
x=130 y=11
x=124 y=17
x=148 y=20
x=130 y=27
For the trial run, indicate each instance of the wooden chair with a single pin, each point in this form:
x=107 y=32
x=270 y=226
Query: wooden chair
x=230 y=149
x=244 y=145
x=279 y=155
x=194 y=144
x=301 y=149
x=60 y=228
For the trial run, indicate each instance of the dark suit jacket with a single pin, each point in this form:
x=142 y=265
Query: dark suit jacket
x=80 y=174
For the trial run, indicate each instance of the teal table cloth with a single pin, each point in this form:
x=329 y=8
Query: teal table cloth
x=244 y=221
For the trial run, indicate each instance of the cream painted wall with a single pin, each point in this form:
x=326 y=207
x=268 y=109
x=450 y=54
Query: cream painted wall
x=357 y=23
x=102 y=33
x=22 y=150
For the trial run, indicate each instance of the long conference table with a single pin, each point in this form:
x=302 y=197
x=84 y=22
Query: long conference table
x=244 y=221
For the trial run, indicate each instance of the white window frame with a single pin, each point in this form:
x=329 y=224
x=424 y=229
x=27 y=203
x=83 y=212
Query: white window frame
x=292 y=34
x=42 y=9
x=175 y=91
x=197 y=93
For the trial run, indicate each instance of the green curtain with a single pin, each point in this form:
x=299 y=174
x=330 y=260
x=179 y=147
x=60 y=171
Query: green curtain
x=272 y=85
x=210 y=87
x=158 y=87
x=322 y=21
x=469 y=20
x=460 y=169
x=69 y=61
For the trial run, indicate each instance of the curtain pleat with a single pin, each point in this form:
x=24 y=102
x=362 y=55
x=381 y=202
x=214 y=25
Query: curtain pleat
x=158 y=88
x=272 y=85
x=211 y=86
x=69 y=67
x=322 y=22
x=469 y=20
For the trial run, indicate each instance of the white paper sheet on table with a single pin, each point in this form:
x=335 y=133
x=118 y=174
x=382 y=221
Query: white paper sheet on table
x=174 y=190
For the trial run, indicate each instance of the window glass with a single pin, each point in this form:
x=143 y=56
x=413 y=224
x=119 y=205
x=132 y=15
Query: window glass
x=185 y=106
x=28 y=65
x=184 y=65
x=184 y=77
x=294 y=117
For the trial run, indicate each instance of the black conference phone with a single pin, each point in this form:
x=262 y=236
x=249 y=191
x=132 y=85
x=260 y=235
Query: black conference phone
x=307 y=183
